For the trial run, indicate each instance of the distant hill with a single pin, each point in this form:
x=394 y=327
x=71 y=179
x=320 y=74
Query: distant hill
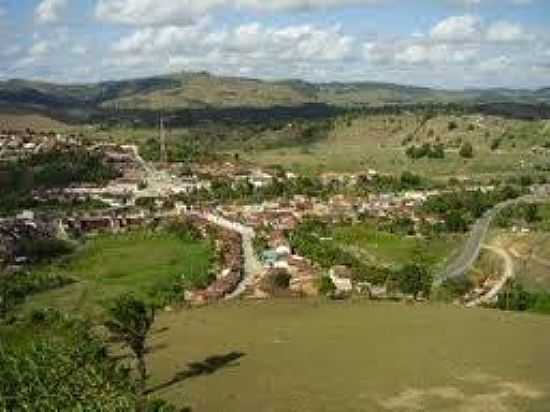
x=203 y=91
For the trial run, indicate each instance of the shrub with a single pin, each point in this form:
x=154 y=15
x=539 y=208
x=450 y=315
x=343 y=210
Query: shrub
x=48 y=374
x=455 y=222
x=38 y=250
x=495 y=144
x=276 y=282
x=415 y=279
x=326 y=286
x=466 y=150
x=454 y=288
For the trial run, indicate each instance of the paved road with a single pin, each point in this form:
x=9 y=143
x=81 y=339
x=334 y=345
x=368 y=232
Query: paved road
x=252 y=266
x=465 y=261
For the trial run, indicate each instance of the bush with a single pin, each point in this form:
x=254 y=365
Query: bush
x=455 y=222
x=326 y=286
x=409 y=179
x=415 y=279
x=38 y=250
x=454 y=288
x=426 y=150
x=466 y=151
x=276 y=282
x=69 y=371
x=14 y=289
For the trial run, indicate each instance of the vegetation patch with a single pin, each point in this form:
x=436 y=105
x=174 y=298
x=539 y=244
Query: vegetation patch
x=153 y=265
x=349 y=356
x=396 y=249
x=51 y=170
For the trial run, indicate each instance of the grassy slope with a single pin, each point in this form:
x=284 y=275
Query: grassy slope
x=17 y=121
x=310 y=356
x=388 y=249
x=109 y=265
x=376 y=142
x=186 y=89
x=204 y=90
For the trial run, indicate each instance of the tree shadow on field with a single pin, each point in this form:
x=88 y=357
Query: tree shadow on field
x=208 y=366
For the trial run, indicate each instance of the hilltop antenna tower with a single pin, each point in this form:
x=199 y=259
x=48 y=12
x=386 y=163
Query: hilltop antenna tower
x=162 y=124
x=162 y=138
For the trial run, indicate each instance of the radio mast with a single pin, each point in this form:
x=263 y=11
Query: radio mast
x=162 y=125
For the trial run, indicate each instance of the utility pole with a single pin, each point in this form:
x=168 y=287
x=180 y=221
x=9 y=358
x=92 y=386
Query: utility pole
x=162 y=138
x=162 y=126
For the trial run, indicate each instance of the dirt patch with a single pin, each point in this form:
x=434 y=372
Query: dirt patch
x=496 y=396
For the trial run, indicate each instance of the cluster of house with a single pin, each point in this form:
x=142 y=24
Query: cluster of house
x=230 y=274
x=20 y=144
x=13 y=231
x=273 y=221
x=28 y=226
x=281 y=215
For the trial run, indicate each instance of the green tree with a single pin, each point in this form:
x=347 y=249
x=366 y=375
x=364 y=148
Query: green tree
x=414 y=279
x=466 y=151
x=455 y=222
x=69 y=371
x=531 y=213
x=130 y=322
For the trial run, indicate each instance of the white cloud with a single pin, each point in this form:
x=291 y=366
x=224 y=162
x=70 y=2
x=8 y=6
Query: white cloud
x=39 y=48
x=151 y=12
x=504 y=31
x=79 y=50
x=49 y=11
x=457 y=28
x=495 y=65
x=434 y=54
x=480 y=2
x=252 y=49
x=253 y=42
x=11 y=50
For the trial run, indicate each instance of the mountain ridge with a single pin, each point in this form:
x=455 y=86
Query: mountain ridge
x=205 y=91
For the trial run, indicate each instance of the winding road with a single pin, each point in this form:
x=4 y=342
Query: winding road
x=252 y=266
x=459 y=266
x=509 y=273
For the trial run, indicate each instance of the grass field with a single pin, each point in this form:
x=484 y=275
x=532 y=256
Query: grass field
x=19 y=121
x=109 y=265
x=531 y=253
x=284 y=356
x=393 y=250
x=376 y=142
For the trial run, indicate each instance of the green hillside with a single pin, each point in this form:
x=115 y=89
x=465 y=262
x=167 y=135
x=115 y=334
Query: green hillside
x=202 y=90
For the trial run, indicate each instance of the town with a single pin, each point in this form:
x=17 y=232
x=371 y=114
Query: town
x=274 y=206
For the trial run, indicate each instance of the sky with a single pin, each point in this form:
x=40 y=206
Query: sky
x=453 y=44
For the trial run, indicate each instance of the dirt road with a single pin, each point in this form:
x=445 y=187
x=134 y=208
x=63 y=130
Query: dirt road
x=509 y=273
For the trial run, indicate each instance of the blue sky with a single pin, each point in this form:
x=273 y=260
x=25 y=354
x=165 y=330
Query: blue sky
x=439 y=43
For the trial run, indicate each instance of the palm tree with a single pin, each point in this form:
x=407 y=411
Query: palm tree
x=130 y=322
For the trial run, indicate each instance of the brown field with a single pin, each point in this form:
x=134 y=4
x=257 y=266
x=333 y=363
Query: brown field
x=353 y=356
x=31 y=121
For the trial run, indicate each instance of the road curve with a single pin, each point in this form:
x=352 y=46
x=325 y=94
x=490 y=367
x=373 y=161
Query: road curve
x=252 y=266
x=509 y=273
x=459 y=266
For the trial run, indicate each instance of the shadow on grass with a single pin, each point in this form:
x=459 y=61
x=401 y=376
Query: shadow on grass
x=207 y=366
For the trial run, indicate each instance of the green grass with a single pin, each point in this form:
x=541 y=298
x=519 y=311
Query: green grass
x=392 y=250
x=109 y=265
x=375 y=142
x=313 y=356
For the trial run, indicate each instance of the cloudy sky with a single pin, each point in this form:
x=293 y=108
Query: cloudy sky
x=441 y=43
